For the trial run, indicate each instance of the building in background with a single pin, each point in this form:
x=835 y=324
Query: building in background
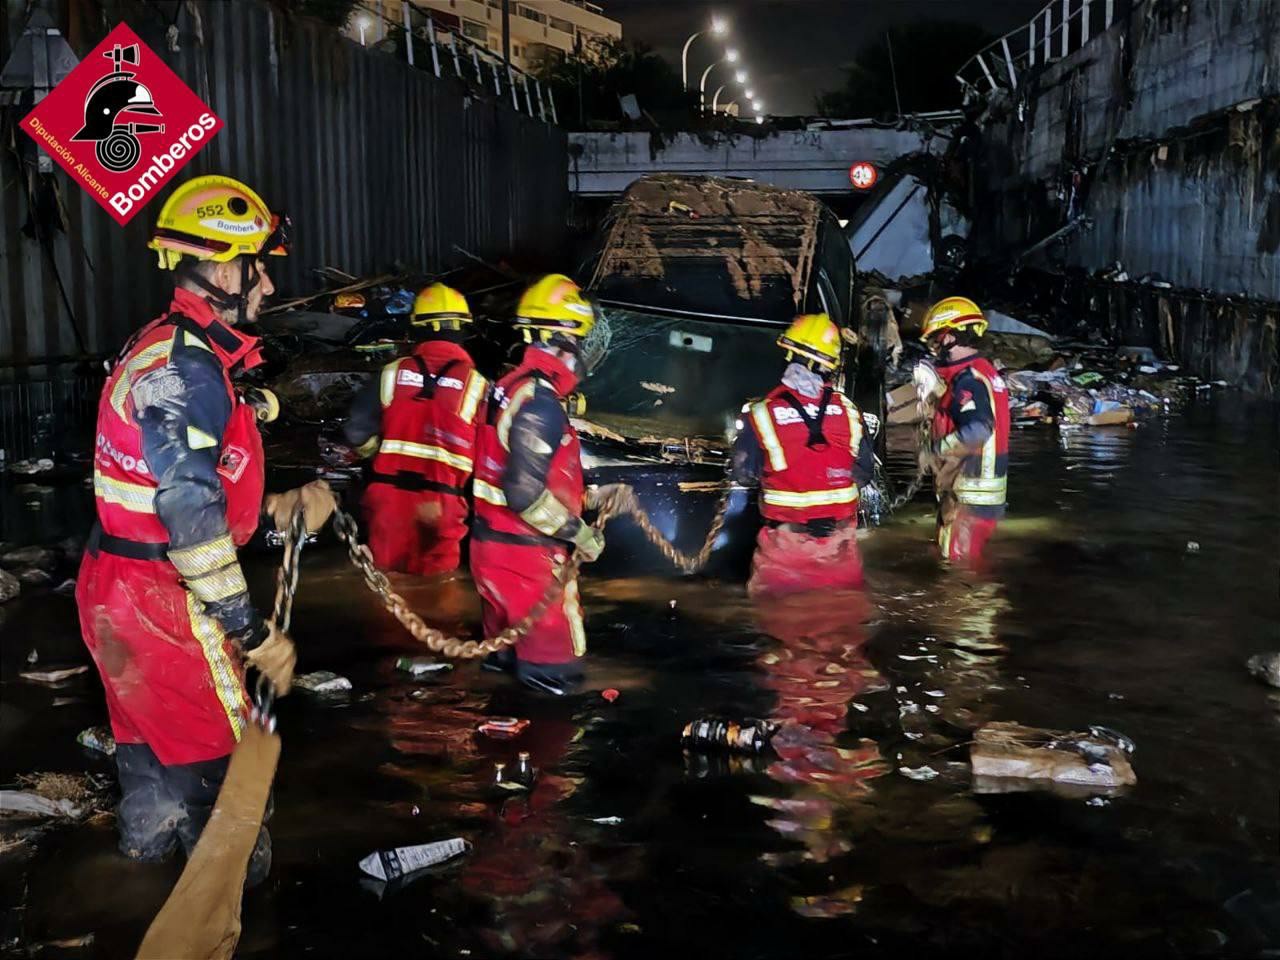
x=540 y=29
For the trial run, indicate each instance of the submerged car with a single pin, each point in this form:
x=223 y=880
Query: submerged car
x=694 y=278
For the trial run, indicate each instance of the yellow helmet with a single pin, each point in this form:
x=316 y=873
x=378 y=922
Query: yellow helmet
x=217 y=218
x=814 y=337
x=554 y=305
x=953 y=313
x=437 y=305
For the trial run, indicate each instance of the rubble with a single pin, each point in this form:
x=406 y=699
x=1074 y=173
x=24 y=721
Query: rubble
x=321 y=683
x=10 y=587
x=1266 y=667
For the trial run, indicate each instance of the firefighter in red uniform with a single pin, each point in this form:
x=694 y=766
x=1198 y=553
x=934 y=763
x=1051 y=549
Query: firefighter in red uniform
x=529 y=491
x=807 y=445
x=420 y=417
x=178 y=483
x=970 y=437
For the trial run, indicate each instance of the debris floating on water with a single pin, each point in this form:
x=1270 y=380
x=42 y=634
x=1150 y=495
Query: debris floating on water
x=421 y=666
x=1193 y=546
x=749 y=736
x=918 y=773
x=607 y=821
x=610 y=694
x=10 y=586
x=394 y=864
x=52 y=676
x=322 y=682
x=502 y=728
x=1010 y=751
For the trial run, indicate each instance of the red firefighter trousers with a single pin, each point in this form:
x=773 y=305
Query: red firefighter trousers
x=172 y=679
x=511 y=579
x=414 y=531
x=963 y=539
x=789 y=561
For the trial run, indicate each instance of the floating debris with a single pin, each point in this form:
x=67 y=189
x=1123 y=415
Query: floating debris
x=393 y=864
x=422 y=666
x=918 y=773
x=10 y=586
x=610 y=694
x=607 y=821
x=502 y=728
x=1010 y=751
x=1193 y=546
x=322 y=682
x=52 y=676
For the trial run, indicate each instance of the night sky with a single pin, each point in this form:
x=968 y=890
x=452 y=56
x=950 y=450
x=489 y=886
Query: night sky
x=795 y=49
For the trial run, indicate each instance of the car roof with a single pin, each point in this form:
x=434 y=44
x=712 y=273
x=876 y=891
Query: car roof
x=709 y=245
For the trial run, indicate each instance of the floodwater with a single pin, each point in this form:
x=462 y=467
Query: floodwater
x=1094 y=611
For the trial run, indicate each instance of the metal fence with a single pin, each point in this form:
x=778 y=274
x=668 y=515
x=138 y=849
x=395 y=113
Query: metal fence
x=380 y=164
x=42 y=418
x=1058 y=30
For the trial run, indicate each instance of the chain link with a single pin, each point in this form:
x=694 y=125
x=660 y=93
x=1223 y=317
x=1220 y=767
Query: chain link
x=615 y=504
x=923 y=437
x=290 y=567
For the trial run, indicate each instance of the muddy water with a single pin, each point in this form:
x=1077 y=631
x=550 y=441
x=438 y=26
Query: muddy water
x=1093 y=611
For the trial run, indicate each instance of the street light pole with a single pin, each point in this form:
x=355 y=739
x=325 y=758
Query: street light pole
x=715 y=97
x=719 y=27
x=730 y=56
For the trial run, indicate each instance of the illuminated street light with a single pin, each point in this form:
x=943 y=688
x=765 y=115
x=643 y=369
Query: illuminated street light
x=715 y=97
x=741 y=76
x=749 y=94
x=757 y=106
x=731 y=55
x=759 y=119
x=702 y=84
x=363 y=23
x=719 y=27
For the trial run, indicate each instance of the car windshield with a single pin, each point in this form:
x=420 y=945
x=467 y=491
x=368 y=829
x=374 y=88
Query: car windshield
x=656 y=377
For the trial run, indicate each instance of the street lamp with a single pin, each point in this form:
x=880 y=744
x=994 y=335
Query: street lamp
x=759 y=119
x=719 y=27
x=757 y=106
x=729 y=57
x=749 y=94
x=741 y=76
x=363 y=23
x=715 y=97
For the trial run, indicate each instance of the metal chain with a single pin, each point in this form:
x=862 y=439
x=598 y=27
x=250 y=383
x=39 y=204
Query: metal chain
x=287 y=577
x=617 y=503
x=625 y=502
x=923 y=436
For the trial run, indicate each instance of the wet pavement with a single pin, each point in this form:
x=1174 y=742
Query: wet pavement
x=1094 y=611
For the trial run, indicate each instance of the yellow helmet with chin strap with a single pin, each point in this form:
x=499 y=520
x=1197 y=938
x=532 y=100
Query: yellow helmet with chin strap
x=217 y=218
x=815 y=338
x=953 y=313
x=554 y=305
x=438 y=306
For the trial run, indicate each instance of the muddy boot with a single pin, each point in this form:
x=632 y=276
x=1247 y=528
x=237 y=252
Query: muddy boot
x=500 y=661
x=557 y=679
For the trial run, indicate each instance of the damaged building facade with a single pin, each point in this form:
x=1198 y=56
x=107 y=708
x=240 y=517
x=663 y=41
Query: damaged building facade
x=1128 y=157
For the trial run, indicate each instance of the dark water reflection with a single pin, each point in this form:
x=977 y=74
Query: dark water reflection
x=1094 y=611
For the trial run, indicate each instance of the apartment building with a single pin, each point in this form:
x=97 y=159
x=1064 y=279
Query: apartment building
x=540 y=29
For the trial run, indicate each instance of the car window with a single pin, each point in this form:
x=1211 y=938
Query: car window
x=656 y=376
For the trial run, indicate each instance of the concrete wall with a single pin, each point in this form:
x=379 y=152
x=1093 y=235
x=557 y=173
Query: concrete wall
x=605 y=164
x=1180 y=99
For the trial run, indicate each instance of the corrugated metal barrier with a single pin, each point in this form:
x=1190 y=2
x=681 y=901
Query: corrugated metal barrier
x=379 y=163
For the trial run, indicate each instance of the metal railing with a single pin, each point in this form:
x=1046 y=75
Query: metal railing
x=450 y=51
x=1058 y=30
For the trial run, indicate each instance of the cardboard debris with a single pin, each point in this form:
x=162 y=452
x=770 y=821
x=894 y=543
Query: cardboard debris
x=1010 y=752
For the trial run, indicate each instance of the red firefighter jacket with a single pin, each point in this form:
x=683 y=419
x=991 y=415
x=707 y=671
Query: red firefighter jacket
x=527 y=448
x=974 y=412
x=816 y=452
x=178 y=465
x=429 y=401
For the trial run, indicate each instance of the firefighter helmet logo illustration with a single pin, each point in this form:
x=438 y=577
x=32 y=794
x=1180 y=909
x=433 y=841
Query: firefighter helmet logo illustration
x=117 y=147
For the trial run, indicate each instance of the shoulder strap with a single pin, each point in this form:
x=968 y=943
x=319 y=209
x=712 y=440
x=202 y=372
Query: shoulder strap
x=429 y=379
x=816 y=439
